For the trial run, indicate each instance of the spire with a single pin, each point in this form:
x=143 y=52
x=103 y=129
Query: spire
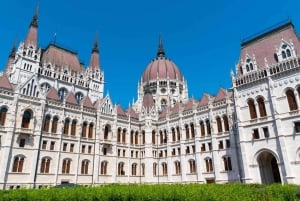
x=31 y=38
x=11 y=56
x=95 y=58
x=34 y=21
x=160 y=51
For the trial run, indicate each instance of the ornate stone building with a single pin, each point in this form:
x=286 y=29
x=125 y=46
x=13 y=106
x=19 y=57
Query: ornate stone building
x=57 y=127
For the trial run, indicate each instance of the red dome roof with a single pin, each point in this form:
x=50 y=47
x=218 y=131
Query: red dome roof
x=162 y=68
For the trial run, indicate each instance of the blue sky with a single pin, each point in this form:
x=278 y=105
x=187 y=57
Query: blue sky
x=202 y=37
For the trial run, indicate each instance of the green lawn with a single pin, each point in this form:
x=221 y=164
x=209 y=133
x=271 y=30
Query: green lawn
x=186 y=192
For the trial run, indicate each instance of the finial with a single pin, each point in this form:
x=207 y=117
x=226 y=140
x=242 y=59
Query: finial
x=96 y=48
x=34 y=21
x=160 y=51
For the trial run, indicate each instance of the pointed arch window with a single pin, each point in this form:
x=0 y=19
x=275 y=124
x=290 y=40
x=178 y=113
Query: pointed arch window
x=208 y=128
x=173 y=134
x=103 y=167
x=202 y=128
x=121 y=169
x=18 y=164
x=66 y=126
x=187 y=131
x=136 y=137
x=164 y=169
x=84 y=128
x=153 y=137
x=227 y=163
x=209 y=165
x=226 y=124
x=62 y=92
x=78 y=97
x=177 y=167
x=261 y=107
x=45 y=165
x=45 y=87
x=54 y=124
x=192 y=130
x=285 y=51
x=133 y=169
x=249 y=65
x=66 y=165
x=124 y=136
x=73 y=127
x=154 y=169
x=291 y=100
x=119 y=135
x=27 y=115
x=252 y=109
x=47 y=123
x=143 y=169
x=106 y=131
x=178 y=133
x=3 y=112
x=85 y=167
x=192 y=164
x=161 y=137
x=91 y=130
x=143 y=137
x=219 y=124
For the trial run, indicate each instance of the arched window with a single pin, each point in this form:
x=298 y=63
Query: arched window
x=73 y=127
x=208 y=127
x=91 y=130
x=161 y=137
x=85 y=167
x=133 y=169
x=288 y=53
x=227 y=163
x=62 y=92
x=226 y=124
x=178 y=133
x=144 y=137
x=187 y=131
x=173 y=134
x=121 y=169
x=106 y=130
x=143 y=169
x=84 y=128
x=164 y=169
x=124 y=136
x=202 y=128
x=298 y=90
x=154 y=169
x=192 y=130
x=219 y=124
x=26 y=118
x=47 y=123
x=283 y=54
x=252 y=109
x=119 y=135
x=177 y=167
x=163 y=103
x=18 y=164
x=103 y=168
x=45 y=87
x=66 y=165
x=78 y=97
x=291 y=100
x=209 y=165
x=66 y=126
x=261 y=107
x=3 y=112
x=45 y=165
x=192 y=166
x=153 y=137
x=136 y=137
x=54 y=124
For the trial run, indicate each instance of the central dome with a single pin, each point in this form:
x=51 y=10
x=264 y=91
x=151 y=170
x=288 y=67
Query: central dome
x=161 y=68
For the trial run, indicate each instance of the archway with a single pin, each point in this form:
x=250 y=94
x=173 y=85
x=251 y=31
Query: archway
x=268 y=167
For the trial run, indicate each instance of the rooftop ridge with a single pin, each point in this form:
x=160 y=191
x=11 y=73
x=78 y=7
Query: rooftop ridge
x=266 y=31
x=63 y=47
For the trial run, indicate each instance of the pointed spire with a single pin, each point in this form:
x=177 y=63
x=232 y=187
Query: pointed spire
x=96 y=48
x=11 y=56
x=31 y=38
x=95 y=58
x=160 y=51
x=34 y=21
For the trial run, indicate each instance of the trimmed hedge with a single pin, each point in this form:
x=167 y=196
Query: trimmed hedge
x=174 y=192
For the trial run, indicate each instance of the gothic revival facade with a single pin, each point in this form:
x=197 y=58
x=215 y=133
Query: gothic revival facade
x=56 y=126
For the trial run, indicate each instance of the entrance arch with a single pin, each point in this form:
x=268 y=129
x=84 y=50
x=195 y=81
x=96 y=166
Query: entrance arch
x=268 y=168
